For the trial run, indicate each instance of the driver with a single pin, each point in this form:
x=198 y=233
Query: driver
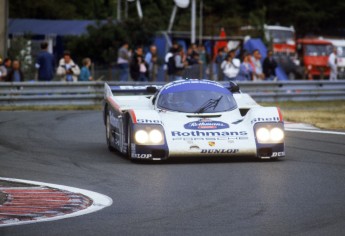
x=180 y=101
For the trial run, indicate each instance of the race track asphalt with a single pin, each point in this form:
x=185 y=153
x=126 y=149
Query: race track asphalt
x=301 y=195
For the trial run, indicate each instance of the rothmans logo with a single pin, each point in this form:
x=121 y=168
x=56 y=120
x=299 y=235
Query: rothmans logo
x=206 y=124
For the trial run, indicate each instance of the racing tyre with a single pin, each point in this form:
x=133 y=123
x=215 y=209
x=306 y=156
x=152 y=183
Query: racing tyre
x=129 y=139
x=108 y=132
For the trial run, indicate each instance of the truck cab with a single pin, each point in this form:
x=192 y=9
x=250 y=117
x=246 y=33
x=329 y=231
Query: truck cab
x=314 y=53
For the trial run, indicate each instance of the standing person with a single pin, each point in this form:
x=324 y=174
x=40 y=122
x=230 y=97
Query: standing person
x=332 y=63
x=45 y=64
x=123 y=57
x=5 y=68
x=15 y=74
x=256 y=62
x=67 y=69
x=169 y=66
x=138 y=68
x=231 y=66
x=180 y=61
x=269 y=66
x=203 y=58
x=85 y=74
x=151 y=58
x=246 y=69
x=220 y=57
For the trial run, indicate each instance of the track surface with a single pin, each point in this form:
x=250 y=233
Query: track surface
x=303 y=194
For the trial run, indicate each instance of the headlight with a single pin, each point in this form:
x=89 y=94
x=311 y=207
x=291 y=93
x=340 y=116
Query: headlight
x=277 y=134
x=148 y=135
x=155 y=136
x=269 y=134
x=263 y=134
x=141 y=136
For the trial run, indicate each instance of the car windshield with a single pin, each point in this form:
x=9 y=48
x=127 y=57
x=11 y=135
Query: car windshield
x=197 y=100
x=281 y=36
x=341 y=51
x=318 y=49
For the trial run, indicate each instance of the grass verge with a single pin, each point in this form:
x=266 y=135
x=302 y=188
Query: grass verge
x=322 y=114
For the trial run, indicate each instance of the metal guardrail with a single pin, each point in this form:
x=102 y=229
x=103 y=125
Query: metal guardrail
x=91 y=93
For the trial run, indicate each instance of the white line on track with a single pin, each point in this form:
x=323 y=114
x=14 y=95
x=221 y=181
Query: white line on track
x=100 y=201
x=315 y=131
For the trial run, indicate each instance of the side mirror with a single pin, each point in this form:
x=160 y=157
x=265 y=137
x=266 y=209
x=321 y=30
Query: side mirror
x=234 y=88
x=151 y=90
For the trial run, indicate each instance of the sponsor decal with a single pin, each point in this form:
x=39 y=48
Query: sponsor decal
x=142 y=156
x=231 y=139
x=148 y=121
x=206 y=124
x=264 y=119
x=219 y=151
x=208 y=133
x=278 y=154
x=211 y=143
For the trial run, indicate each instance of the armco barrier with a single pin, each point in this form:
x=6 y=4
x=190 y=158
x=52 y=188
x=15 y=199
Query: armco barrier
x=91 y=93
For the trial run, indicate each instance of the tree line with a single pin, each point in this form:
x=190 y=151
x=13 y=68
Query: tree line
x=309 y=17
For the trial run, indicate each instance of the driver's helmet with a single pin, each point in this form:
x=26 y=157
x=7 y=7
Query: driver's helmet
x=176 y=99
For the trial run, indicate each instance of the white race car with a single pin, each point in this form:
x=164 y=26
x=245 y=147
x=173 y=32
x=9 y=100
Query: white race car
x=192 y=118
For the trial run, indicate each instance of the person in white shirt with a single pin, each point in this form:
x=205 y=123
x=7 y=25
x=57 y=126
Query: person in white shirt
x=256 y=60
x=332 y=63
x=230 y=66
x=67 y=69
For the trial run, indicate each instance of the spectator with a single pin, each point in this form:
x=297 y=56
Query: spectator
x=45 y=64
x=5 y=68
x=180 y=63
x=246 y=69
x=151 y=58
x=193 y=55
x=269 y=66
x=15 y=74
x=123 y=57
x=231 y=66
x=256 y=62
x=138 y=67
x=220 y=57
x=203 y=58
x=169 y=66
x=68 y=70
x=332 y=63
x=85 y=74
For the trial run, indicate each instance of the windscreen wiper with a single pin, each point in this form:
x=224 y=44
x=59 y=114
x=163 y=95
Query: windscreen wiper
x=211 y=103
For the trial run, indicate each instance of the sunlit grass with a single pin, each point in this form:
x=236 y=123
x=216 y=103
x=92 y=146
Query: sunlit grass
x=325 y=115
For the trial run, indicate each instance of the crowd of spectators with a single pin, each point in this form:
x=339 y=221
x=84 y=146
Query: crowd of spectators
x=140 y=66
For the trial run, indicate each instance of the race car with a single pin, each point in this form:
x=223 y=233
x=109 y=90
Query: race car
x=192 y=118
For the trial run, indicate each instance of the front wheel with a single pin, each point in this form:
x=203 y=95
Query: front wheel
x=108 y=132
x=129 y=139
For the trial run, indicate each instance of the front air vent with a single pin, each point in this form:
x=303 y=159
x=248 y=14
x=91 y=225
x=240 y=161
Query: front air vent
x=204 y=116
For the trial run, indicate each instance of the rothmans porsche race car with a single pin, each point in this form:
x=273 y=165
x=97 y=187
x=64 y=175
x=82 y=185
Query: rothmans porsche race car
x=192 y=118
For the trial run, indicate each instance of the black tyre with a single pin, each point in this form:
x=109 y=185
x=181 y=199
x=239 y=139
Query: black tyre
x=108 y=132
x=129 y=139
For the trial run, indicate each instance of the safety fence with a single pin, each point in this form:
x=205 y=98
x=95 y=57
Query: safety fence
x=91 y=93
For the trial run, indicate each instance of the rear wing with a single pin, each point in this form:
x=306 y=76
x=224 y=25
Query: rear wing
x=152 y=89
x=129 y=89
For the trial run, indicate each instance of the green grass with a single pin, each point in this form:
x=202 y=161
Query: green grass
x=325 y=114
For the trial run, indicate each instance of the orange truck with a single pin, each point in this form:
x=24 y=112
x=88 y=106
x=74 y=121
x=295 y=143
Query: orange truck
x=313 y=54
